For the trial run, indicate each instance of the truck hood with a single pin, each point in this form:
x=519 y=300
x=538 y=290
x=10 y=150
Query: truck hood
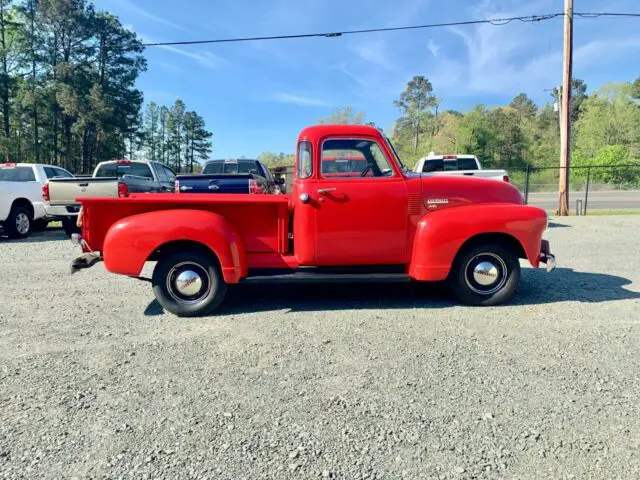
x=450 y=191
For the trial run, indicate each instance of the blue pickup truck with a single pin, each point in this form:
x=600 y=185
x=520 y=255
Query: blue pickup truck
x=230 y=176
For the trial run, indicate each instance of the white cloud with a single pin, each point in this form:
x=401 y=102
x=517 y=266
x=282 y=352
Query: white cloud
x=601 y=50
x=372 y=51
x=129 y=5
x=433 y=47
x=299 y=100
x=356 y=78
x=205 y=59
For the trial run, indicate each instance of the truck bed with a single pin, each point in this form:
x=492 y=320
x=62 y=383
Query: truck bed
x=261 y=220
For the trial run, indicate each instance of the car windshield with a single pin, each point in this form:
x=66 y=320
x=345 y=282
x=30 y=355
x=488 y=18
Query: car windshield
x=17 y=174
x=227 y=167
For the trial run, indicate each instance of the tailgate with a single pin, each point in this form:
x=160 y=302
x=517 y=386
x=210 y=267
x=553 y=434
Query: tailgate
x=214 y=183
x=64 y=191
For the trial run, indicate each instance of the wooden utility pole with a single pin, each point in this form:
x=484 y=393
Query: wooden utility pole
x=565 y=109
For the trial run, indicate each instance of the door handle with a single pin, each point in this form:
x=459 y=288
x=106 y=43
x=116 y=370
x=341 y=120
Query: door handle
x=324 y=191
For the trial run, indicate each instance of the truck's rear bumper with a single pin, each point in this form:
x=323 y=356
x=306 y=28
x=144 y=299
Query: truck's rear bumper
x=546 y=256
x=62 y=210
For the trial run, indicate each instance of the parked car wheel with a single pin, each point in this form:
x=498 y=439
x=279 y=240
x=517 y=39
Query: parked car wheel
x=19 y=223
x=485 y=275
x=189 y=284
x=69 y=225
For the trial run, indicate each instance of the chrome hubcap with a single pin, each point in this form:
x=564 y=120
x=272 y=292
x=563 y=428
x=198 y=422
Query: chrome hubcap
x=188 y=282
x=486 y=273
x=22 y=223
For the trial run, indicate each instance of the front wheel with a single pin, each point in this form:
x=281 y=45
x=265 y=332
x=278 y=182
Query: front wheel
x=485 y=275
x=188 y=284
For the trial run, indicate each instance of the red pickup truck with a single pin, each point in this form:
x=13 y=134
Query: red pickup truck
x=344 y=219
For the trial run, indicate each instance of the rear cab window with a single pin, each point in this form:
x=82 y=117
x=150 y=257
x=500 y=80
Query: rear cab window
x=449 y=164
x=54 y=172
x=17 y=174
x=116 y=169
x=233 y=167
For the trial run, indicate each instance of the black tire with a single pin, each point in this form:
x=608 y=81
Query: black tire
x=212 y=287
x=69 y=225
x=19 y=223
x=40 y=225
x=471 y=265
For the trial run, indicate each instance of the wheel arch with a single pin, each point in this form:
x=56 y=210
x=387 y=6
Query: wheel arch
x=441 y=235
x=175 y=246
x=133 y=240
x=504 y=239
x=24 y=202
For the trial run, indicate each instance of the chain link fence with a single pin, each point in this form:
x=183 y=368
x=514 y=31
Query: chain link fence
x=594 y=187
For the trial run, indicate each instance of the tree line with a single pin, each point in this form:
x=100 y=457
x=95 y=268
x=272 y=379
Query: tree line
x=606 y=129
x=68 y=96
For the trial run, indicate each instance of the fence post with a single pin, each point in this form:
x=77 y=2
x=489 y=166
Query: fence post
x=526 y=185
x=586 y=190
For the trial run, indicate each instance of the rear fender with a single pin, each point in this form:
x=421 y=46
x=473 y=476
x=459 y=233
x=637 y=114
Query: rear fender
x=442 y=233
x=131 y=241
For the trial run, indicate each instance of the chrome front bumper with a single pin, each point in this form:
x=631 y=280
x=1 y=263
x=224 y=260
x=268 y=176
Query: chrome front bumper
x=546 y=256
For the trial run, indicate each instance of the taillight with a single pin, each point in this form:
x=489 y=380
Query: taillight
x=505 y=178
x=45 y=192
x=177 y=186
x=254 y=187
x=123 y=190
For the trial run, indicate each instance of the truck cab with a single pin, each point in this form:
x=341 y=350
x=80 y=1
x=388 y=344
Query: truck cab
x=354 y=212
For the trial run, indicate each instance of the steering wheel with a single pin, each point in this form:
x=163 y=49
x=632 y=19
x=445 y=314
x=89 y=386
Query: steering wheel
x=365 y=171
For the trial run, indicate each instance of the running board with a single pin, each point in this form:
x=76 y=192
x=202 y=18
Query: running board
x=311 y=277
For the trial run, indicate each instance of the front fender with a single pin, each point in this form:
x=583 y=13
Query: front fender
x=131 y=241
x=440 y=234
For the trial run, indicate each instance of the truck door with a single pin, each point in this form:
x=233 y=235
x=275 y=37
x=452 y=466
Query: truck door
x=361 y=205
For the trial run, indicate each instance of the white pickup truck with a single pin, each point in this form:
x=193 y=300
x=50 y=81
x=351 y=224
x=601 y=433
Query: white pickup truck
x=467 y=165
x=21 y=205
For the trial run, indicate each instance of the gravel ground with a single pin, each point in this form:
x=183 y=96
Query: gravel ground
x=353 y=382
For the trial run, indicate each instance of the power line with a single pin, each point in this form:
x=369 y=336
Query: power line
x=493 y=21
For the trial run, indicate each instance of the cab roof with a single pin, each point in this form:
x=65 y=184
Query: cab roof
x=317 y=132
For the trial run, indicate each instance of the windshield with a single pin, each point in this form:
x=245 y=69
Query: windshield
x=17 y=174
x=395 y=154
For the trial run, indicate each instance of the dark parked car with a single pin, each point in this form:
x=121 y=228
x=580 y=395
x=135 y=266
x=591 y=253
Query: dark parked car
x=231 y=176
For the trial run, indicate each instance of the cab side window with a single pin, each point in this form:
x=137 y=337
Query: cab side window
x=354 y=158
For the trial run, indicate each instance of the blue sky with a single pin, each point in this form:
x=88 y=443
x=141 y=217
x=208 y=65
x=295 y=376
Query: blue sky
x=256 y=96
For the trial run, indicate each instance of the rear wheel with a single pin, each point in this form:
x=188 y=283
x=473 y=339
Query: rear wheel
x=189 y=284
x=19 y=223
x=485 y=275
